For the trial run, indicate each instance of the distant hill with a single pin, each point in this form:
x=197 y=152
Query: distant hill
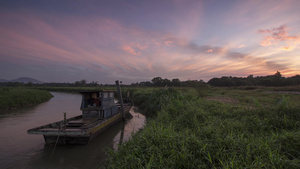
x=3 y=80
x=26 y=80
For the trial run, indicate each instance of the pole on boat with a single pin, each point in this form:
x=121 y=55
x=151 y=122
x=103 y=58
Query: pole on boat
x=121 y=98
x=65 y=120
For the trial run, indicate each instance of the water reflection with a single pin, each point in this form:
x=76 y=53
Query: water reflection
x=131 y=127
x=20 y=150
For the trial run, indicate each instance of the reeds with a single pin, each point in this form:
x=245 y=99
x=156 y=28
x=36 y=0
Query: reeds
x=18 y=97
x=192 y=132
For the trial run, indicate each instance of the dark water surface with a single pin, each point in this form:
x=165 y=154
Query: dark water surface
x=21 y=150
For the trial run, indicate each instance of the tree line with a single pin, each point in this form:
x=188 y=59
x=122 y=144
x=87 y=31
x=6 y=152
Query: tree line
x=271 y=80
x=226 y=81
x=163 y=82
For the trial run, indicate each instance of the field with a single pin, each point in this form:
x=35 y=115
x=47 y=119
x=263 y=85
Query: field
x=19 y=97
x=214 y=128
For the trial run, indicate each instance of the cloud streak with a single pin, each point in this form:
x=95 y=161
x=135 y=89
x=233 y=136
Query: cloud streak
x=276 y=35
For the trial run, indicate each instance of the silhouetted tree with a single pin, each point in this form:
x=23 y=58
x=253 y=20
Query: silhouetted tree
x=157 y=81
x=175 y=82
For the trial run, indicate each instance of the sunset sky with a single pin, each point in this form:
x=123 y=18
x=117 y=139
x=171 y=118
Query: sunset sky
x=137 y=40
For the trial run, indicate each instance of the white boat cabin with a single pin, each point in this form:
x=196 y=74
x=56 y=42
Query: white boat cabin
x=98 y=104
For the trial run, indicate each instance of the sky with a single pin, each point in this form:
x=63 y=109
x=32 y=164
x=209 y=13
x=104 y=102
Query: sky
x=137 y=40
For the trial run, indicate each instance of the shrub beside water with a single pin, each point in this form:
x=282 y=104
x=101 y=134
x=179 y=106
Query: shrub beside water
x=195 y=133
x=18 y=97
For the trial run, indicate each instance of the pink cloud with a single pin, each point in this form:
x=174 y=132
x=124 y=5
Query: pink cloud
x=168 y=42
x=209 y=50
x=277 y=35
x=134 y=49
x=141 y=47
x=241 y=46
x=287 y=48
x=130 y=50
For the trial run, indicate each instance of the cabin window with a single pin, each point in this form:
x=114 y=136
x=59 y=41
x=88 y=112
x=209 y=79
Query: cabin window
x=94 y=95
x=111 y=95
x=105 y=95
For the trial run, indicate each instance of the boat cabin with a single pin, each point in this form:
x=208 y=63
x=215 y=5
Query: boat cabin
x=98 y=104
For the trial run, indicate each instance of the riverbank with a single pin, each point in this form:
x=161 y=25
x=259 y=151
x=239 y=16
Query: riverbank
x=18 y=97
x=259 y=131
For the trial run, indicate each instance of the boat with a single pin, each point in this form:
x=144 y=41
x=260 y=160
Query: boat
x=99 y=111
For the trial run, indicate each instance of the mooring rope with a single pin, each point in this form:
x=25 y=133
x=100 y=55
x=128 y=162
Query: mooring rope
x=53 y=149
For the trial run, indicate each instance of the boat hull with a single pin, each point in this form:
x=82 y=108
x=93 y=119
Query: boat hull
x=76 y=130
x=61 y=140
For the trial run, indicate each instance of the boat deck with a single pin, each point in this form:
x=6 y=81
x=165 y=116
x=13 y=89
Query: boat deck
x=73 y=125
x=82 y=123
x=57 y=129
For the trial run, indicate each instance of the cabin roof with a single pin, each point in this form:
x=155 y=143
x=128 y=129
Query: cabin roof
x=97 y=91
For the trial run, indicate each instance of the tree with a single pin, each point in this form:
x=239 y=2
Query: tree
x=93 y=84
x=157 y=81
x=175 y=82
x=81 y=83
x=166 y=82
x=277 y=74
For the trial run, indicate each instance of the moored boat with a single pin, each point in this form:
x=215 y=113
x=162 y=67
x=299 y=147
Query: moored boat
x=99 y=111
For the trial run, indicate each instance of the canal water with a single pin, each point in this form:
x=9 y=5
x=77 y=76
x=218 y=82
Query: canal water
x=21 y=150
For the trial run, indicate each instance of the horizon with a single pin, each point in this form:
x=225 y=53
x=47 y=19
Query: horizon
x=135 y=41
x=150 y=80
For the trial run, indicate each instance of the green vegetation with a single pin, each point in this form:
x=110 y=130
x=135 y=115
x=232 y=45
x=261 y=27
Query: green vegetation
x=271 y=80
x=18 y=97
x=190 y=128
x=243 y=96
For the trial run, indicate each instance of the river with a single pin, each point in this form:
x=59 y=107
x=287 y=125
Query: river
x=21 y=150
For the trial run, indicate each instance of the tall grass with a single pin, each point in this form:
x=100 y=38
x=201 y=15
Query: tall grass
x=189 y=132
x=18 y=97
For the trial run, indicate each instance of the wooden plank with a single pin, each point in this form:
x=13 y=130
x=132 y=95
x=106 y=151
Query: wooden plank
x=49 y=129
x=72 y=129
x=81 y=122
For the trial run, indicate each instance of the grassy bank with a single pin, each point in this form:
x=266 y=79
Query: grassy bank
x=191 y=131
x=18 y=97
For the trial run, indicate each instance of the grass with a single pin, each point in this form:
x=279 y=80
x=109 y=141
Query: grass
x=246 y=97
x=19 y=97
x=188 y=131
